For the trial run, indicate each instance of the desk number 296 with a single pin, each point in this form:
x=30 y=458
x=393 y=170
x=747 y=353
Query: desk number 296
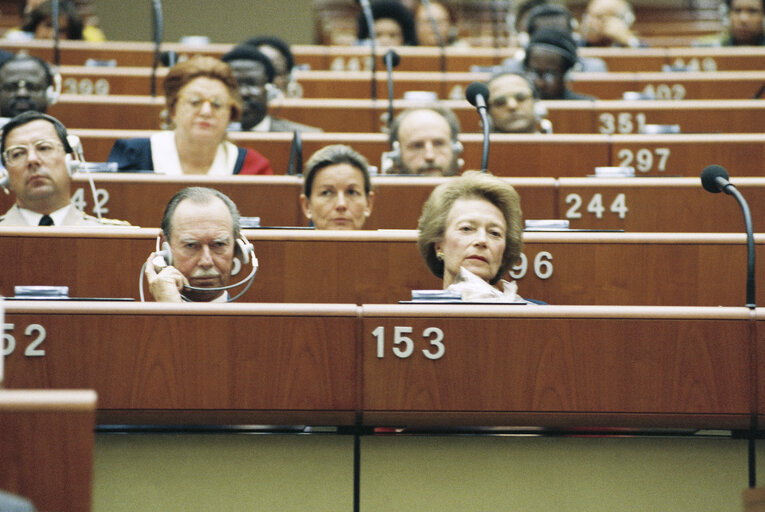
x=403 y=345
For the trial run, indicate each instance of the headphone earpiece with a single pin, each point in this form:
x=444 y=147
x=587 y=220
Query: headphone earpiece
x=629 y=18
x=5 y=180
x=242 y=252
x=294 y=89
x=272 y=92
x=395 y=153
x=457 y=147
x=724 y=15
x=72 y=164
x=53 y=92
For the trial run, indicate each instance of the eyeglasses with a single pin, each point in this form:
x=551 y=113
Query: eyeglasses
x=547 y=76
x=196 y=103
x=12 y=87
x=501 y=101
x=19 y=155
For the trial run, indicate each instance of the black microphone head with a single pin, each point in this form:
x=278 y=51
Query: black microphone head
x=709 y=177
x=474 y=90
x=394 y=57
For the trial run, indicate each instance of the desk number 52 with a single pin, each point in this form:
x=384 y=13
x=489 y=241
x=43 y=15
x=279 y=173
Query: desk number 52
x=33 y=349
x=403 y=345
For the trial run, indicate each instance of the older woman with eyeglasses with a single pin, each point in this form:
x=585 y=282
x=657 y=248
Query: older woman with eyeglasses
x=202 y=97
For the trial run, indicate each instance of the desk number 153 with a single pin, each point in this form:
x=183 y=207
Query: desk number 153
x=403 y=345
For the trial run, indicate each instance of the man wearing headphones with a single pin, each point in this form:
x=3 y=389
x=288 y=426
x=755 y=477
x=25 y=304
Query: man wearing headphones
x=424 y=141
x=26 y=83
x=512 y=99
x=254 y=73
x=200 y=232
x=607 y=23
x=38 y=169
x=549 y=57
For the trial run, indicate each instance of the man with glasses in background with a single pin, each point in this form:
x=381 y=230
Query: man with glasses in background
x=34 y=150
x=549 y=56
x=512 y=104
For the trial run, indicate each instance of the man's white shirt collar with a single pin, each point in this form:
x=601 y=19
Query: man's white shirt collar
x=33 y=218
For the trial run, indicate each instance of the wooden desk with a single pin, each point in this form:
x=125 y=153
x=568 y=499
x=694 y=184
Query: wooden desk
x=523 y=155
x=349 y=58
x=191 y=363
x=450 y=85
x=663 y=269
x=362 y=115
x=557 y=366
x=538 y=366
x=46 y=438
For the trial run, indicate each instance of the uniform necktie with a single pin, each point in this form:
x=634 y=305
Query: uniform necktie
x=46 y=221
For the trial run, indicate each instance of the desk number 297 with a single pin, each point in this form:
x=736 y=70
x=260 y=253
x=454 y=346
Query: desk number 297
x=403 y=345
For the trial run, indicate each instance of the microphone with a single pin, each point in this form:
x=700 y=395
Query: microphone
x=478 y=94
x=391 y=61
x=714 y=178
x=367 y=10
x=295 y=165
x=437 y=33
x=157 y=25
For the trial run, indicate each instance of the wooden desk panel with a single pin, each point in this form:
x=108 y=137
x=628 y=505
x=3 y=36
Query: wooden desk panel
x=200 y=363
x=321 y=57
x=451 y=85
x=510 y=155
x=656 y=204
x=503 y=365
x=360 y=115
x=46 y=438
x=688 y=155
x=666 y=269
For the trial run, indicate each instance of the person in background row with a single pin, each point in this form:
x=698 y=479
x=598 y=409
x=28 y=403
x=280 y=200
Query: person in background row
x=607 y=23
x=254 y=74
x=201 y=227
x=471 y=234
x=85 y=10
x=744 y=25
x=39 y=21
x=393 y=24
x=555 y=17
x=34 y=150
x=426 y=36
x=337 y=190
x=202 y=98
x=512 y=99
x=424 y=141
x=549 y=57
x=26 y=83
x=284 y=63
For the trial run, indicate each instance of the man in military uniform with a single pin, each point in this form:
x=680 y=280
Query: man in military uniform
x=34 y=150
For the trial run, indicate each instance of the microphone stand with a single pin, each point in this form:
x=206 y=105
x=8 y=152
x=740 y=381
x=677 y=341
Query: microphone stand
x=391 y=61
x=157 y=18
x=367 y=10
x=54 y=13
x=295 y=165
x=439 y=38
x=485 y=151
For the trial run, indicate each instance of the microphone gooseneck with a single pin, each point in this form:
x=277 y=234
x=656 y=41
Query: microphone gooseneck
x=367 y=10
x=55 y=14
x=439 y=39
x=478 y=94
x=714 y=178
x=391 y=61
x=158 y=28
x=295 y=165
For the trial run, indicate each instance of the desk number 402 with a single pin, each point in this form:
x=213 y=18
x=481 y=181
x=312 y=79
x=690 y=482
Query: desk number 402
x=403 y=345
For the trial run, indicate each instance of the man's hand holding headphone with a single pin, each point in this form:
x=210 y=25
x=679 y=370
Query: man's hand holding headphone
x=165 y=281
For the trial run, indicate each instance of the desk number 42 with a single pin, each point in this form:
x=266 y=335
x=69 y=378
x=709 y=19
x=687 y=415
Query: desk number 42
x=403 y=345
